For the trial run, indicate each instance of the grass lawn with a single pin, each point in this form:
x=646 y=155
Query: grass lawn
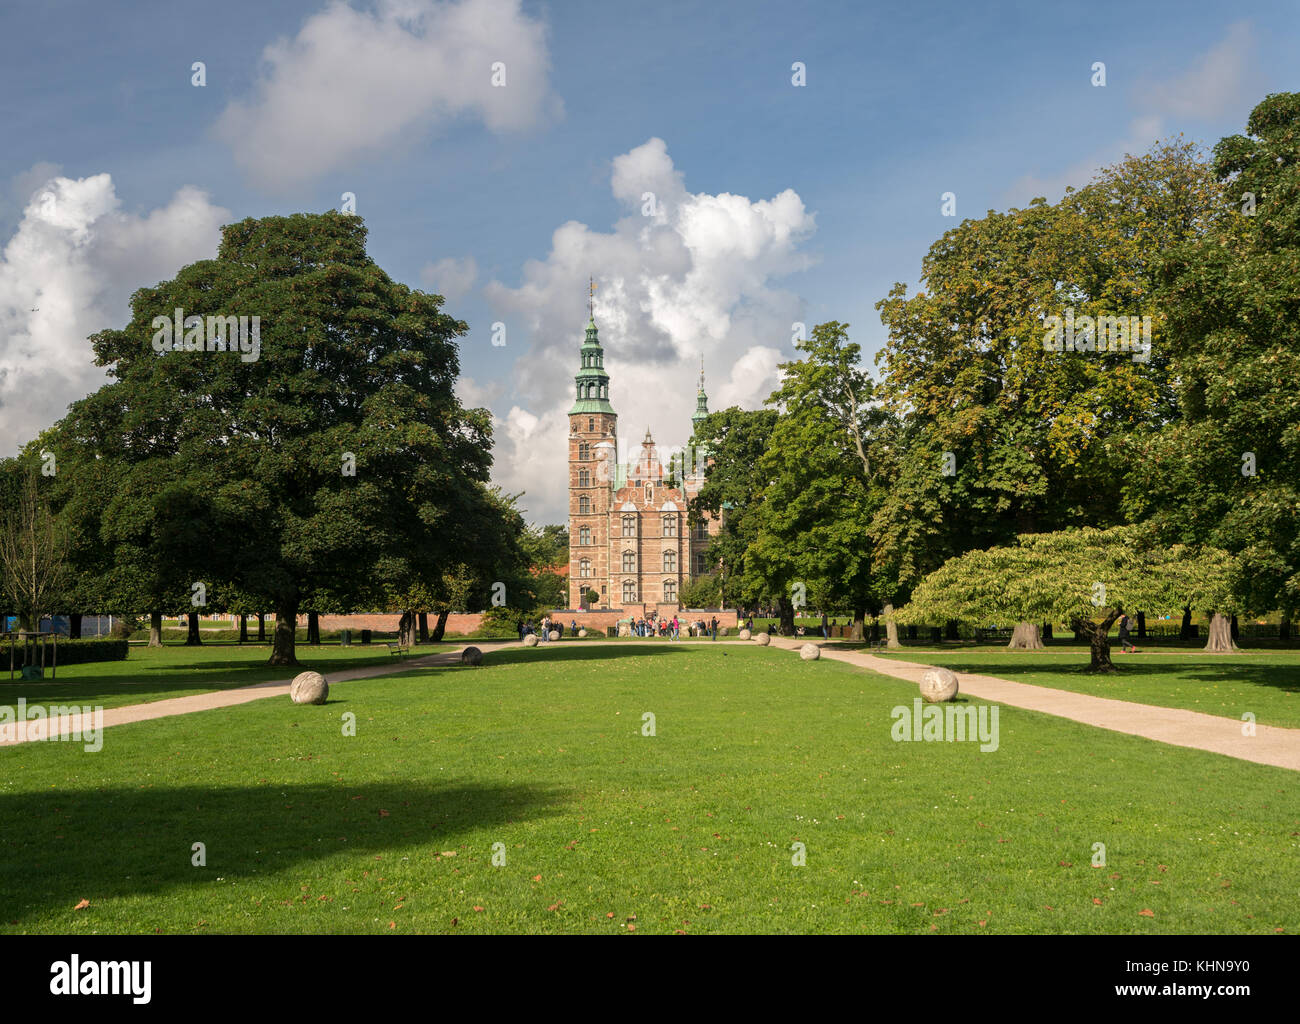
x=605 y=829
x=158 y=673
x=1264 y=683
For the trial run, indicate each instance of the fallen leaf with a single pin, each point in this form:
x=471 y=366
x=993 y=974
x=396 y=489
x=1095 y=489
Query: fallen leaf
x=1146 y=913
x=478 y=910
x=82 y=905
x=392 y=924
x=1096 y=901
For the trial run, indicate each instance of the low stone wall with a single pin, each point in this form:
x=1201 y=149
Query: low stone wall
x=603 y=618
x=457 y=622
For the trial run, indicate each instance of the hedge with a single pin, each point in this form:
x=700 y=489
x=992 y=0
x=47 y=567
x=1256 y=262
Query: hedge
x=71 y=652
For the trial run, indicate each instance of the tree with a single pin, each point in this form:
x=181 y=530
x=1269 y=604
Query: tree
x=702 y=592
x=325 y=449
x=997 y=435
x=1086 y=577
x=1226 y=470
x=33 y=547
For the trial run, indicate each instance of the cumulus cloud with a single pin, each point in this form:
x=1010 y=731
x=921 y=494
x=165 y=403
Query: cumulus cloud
x=68 y=271
x=354 y=82
x=450 y=278
x=682 y=275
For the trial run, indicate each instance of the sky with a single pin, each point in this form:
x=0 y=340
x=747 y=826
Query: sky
x=502 y=152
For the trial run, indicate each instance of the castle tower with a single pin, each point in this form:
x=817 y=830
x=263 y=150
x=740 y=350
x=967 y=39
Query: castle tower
x=593 y=440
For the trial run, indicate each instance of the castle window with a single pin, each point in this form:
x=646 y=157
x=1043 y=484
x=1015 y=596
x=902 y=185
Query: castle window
x=584 y=452
x=584 y=536
x=670 y=561
x=604 y=391
x=629 y=526
x=629 y=591
x=670 y=526
x=584 y=478
x=629 y=561
x=670 y=590
x=584 y=569
x=591 y=426
x=584 y=506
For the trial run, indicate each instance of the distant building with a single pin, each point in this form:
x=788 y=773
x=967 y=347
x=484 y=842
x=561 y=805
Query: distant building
x=628 y=524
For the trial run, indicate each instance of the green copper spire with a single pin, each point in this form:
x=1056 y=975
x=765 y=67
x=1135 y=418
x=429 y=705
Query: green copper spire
x=701 y=399
x=591 y=380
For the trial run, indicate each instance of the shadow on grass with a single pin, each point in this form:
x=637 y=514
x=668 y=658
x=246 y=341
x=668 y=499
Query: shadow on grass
x=586 y=652
x=57 y=848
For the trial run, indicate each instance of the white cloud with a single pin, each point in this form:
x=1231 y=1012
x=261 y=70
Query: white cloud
x=353 y=83
x=1222 y=81
x=695 y=277
x=69 y=271
x=450 y=278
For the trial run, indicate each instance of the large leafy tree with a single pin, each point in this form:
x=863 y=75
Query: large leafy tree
x=328 y=464
x=999 y=436
x=1086 y=577
x=817 y=482
x=1226 y=470
x=732 y=441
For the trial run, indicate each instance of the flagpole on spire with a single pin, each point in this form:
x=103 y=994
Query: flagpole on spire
x=591 y=296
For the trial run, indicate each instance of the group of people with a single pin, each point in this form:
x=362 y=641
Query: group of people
x=545 y=628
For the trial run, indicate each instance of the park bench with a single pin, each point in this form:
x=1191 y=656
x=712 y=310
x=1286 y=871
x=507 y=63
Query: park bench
x=881 y=644
x=399 y=648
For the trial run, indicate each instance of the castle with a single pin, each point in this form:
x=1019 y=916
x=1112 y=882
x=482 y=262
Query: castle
x=629 y=536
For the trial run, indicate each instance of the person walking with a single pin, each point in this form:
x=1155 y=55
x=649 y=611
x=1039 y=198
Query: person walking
x=825 y=632
x=713 y=627
x=1125 y=636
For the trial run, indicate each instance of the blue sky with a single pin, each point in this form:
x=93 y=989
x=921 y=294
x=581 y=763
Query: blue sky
x=777 y=203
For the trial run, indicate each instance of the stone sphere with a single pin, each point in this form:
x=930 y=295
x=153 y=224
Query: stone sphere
x=810 y=652
x=744 y=634
x=309 y=688
x=471 y=656
x=938 y=684
x=553 y=635
x=582 y=632
x=762 y=639
x=624 y=630
x=530 y=640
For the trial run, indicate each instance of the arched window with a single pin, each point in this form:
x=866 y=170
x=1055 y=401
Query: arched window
x=629 y=526
x=584 y=569
x=670 y=525
x=584 y=535
x=584 y=506
x=584 y=478
x=629 y=561
x=670 y=561
x=629 y=591
x=670 y=590
x=604 y=391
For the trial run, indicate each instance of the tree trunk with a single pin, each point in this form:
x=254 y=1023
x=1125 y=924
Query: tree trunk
x=1236 y=630
x=1047 y=631
x=440 y=626
x=1026 y=637
x=950 y=630
x=424 y=627
x=284 y=643
x=859 y=622
x=786 y=608
x=1080 y=634
x=1098 y=634
x=243 y=628
x=74 y=626
x=313 y=629
x=891 y=627
x=406 y=629
x=1187 y=632
x=261 y=627
x=155 y=629
x=192 y=638
x=1284 y=626
x=1142 y=625
x=875 y=630
x=1220 y=633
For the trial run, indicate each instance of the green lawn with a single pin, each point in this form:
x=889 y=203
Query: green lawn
x=1266 y=684
x=608 y=830
x=158 y=673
